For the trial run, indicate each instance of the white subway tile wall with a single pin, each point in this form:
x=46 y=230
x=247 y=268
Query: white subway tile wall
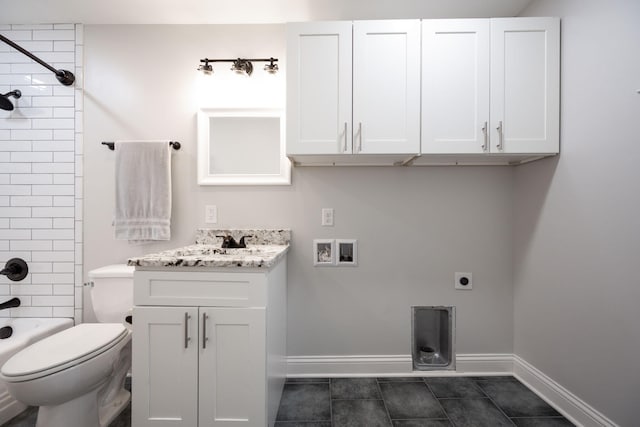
x=41 y=171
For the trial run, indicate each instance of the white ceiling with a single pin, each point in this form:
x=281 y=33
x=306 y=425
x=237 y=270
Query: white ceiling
x=244 y=11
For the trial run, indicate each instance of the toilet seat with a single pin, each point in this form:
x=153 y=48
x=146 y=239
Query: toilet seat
x=63 y=350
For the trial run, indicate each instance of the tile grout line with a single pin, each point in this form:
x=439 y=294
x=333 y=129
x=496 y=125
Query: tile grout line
x=424 y=380
x=330 y=403
x=384 y=403
x=494 y=403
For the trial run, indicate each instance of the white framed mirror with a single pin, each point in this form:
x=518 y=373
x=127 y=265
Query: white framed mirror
x=242 y=146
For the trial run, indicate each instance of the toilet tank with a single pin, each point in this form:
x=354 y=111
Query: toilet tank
x=111 y=292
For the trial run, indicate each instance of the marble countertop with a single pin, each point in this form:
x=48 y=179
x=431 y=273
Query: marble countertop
x=271 y=248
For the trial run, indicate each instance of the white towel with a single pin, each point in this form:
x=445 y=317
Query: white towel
x=143 y=191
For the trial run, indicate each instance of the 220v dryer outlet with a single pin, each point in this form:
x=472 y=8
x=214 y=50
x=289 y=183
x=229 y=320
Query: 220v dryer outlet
x=463 y=281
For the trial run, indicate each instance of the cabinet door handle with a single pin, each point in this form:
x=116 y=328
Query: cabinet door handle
x=500 y=136
x=187 y=338
x=484 y=132
x=359 y=137
x=204 y=330
x=345 y=137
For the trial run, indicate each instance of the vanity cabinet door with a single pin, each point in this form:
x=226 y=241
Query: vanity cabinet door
x=232 y=367
x=525 y=85
x=165 y=367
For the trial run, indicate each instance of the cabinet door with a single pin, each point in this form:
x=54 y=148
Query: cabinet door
x=319 y=88
x=386 y=87
x=525 y=92
x=165 y=367
x=455 y=85
x=232 y=367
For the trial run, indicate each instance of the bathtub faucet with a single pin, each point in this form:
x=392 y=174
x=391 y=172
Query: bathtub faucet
x=15 y=269
x=13 y=302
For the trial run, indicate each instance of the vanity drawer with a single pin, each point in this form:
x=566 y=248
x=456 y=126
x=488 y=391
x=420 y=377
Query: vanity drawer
x=213 y=289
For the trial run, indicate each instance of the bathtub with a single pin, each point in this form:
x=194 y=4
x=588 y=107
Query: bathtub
x=25 y=332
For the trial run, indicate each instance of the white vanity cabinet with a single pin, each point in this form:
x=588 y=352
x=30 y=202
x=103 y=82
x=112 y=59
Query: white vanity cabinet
x=209 y=346
x=353 y=88
x=491 y=86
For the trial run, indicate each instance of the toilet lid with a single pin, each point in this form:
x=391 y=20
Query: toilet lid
x=114 y=270
x=62 y=350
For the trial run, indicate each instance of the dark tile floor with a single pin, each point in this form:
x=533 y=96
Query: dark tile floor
x=397 y=402
x=28 y=419
x=413 y=402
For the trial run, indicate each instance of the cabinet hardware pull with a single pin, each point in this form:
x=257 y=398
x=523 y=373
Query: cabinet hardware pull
x=500 y=136
x=484 y=131
x=187 y=338
x=345 y=137
x=204 y=330
x=359 y=137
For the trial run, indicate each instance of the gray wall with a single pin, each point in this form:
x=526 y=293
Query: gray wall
x=415 y=226
x=577 y=228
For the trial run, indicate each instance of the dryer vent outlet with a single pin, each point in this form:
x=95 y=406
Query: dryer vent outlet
x=433 y=338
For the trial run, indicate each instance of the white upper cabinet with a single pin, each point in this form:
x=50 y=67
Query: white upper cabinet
x=436 y=91
x=525 y=85
x=455 y=86
x=319 y=88
x=353 y=88
x=491 y=86
x=386 y=87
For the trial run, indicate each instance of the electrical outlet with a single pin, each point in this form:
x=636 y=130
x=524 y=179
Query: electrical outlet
x=463 y=281
x=211 y=214
x=327 y=217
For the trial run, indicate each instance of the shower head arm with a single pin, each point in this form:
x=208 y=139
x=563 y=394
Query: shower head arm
x=65 y=77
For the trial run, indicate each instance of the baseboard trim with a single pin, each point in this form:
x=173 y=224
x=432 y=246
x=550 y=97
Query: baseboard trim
x=568 y=404
x=394 y=365
x=9 y=407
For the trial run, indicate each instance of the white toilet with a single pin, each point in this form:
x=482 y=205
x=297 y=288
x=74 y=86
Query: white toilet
x=77 y=376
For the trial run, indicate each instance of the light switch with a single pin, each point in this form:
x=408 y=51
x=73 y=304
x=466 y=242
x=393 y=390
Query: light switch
x=211 y=214
x=327 y=217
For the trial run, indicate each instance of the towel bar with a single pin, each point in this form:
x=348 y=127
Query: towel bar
x=175 y=144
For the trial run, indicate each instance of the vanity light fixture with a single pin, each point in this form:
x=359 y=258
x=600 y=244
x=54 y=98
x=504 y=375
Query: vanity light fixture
x=240 y=65
x=271 y=67
x=206 y=68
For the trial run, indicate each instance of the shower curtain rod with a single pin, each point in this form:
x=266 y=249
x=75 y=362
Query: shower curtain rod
x=65 y=77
